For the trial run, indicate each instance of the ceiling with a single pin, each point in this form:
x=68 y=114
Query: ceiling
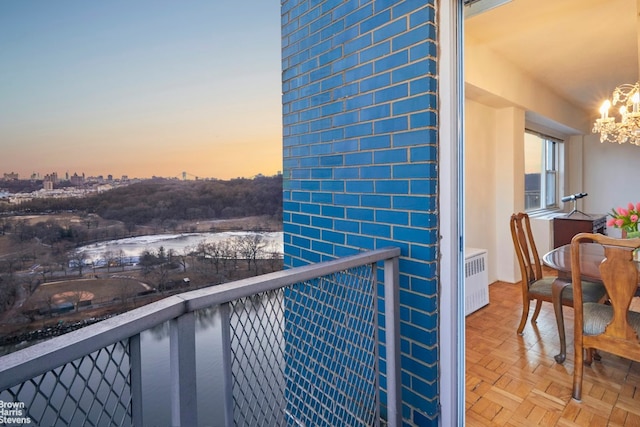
x=580 y=49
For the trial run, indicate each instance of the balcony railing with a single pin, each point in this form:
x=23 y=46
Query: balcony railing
x=298 y=347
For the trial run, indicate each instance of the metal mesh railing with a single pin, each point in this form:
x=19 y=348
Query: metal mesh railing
x=297 y=348
x=257 y=348
x=307 y=355
x=91 y=391
x=331 y=355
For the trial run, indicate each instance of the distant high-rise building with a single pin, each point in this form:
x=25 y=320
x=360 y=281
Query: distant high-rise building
x=12 y=176
x=109 y=177
x=77 y=179
x=50 y=180
x=47 y=184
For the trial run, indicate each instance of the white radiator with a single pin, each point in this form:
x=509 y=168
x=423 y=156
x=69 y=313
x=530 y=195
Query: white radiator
x=476 y=279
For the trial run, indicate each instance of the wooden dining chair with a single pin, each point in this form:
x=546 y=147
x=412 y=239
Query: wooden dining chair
x=609 y=327
x=540 y=288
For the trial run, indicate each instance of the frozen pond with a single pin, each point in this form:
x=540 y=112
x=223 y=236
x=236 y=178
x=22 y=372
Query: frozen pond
x=132 y=247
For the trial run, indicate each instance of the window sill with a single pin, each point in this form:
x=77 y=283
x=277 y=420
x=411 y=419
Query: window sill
x=546 y=213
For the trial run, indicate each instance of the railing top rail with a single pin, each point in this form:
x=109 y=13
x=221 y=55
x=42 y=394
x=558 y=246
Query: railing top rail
x=29 y=362
x=226 y=292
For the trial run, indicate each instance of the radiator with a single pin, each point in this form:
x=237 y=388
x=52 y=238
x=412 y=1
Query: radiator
x=476 y=279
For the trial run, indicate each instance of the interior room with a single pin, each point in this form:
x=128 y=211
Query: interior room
x=536 y=75
x=544 y=67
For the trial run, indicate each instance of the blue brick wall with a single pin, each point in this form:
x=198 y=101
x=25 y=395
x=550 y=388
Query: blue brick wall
x=360 y=156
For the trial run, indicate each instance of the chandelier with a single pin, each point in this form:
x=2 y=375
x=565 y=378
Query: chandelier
x=628 y=128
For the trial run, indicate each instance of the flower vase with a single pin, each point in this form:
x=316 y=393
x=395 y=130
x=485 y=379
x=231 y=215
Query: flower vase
x=632 y=235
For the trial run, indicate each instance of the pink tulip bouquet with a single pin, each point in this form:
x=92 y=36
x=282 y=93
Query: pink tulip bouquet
x=625 y=218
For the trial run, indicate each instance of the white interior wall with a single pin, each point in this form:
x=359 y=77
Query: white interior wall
x=487 y=71
x=497 y=96
x=494 y=153
x=480 y=181
x=542 y=229
x=609 y=175
x=510 y=184
x=574 y=155
x=494 y=175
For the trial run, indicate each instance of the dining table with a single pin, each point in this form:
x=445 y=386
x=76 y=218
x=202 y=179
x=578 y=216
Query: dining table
x=559 y=259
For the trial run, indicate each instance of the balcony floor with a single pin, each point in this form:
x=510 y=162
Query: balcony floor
x=513 y=380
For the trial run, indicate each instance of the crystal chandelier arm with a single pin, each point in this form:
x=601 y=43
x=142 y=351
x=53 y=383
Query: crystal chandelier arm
x=628 y=129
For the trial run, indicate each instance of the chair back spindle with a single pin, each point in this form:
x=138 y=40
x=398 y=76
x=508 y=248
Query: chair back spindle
x=526 y=250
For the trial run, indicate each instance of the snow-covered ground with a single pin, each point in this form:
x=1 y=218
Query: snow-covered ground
x=132 y=247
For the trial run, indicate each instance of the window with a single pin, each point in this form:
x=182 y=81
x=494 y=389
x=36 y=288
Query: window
x=541 y=155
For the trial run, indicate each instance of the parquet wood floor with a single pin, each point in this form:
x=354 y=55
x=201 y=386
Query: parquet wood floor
x=513 y=380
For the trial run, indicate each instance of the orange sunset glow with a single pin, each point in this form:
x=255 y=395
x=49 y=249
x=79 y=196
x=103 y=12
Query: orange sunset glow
x=163 y=89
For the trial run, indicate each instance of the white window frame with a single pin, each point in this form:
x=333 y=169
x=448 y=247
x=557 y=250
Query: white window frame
x=451 y=199
x=557 y=170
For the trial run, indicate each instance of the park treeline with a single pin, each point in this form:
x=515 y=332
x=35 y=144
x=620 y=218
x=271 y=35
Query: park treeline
x=165 y=200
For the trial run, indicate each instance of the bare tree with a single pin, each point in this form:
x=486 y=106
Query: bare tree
x=61 y=260
x=148 y=260
x=183 y=257
x=8 y=291
x=43 y=273
x=201 y=257
x=78 y=260
x=120 y=256
x=216 y=254
x=162 y=254
x=46 y=268
x=47 y=301
x=171 y=257
x=251 y=245
x=230 y=250
x=76 y=296
x=110 y=259
x=21 y=231
x=275 y=261
x=161 y=274
x=9 y=264
x=170 y=224
x=5 y=225
x=130 y=226
x=122 y=288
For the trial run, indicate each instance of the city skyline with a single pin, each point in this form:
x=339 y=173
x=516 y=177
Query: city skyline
x=67 y=175
x=150 y=88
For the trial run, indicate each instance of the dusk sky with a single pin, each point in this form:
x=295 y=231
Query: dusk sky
x=140 y=87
